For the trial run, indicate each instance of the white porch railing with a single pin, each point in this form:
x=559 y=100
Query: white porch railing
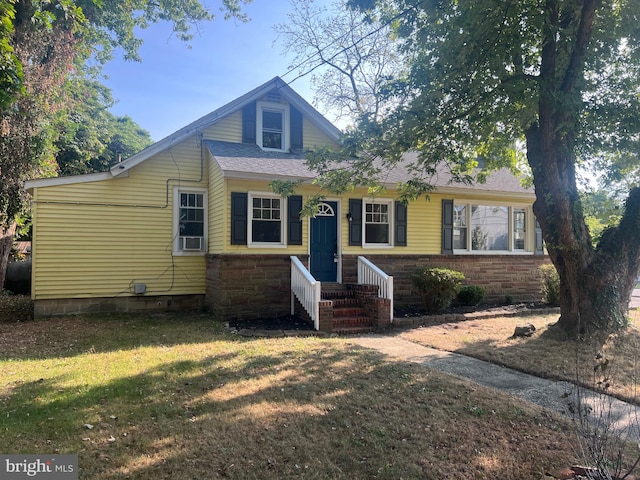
x=369 y=274
x=306 y=289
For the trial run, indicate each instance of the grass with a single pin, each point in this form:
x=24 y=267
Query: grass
x=149 y=397
x=612 y=360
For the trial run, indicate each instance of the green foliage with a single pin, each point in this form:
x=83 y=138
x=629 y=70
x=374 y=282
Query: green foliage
x=471 y=295
x=90 y=137
x=550 y=284
x=437 y=286
x=602 y=211
x=10 y=67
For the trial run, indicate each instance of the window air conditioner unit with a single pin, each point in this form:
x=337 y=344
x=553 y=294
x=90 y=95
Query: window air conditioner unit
x=191 y=243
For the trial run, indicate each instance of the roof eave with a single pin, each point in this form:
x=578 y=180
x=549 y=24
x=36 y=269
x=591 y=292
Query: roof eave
x=29 y=185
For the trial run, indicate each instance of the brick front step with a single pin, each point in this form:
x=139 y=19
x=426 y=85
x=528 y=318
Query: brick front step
x=348 y=311
x=339 y=322
x=337 y=294
x=353 y=330
x=348 y=314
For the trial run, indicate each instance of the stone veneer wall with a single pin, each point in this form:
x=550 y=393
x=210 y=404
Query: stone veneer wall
x=259 y=286
x=249 y=286
x=129 y=304
x=515 y=276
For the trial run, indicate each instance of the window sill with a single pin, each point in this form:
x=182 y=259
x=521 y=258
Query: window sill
x=197 y=253
x=266 y=245
x=492 y=252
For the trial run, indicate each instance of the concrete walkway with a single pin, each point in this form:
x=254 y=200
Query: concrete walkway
x=555 y=395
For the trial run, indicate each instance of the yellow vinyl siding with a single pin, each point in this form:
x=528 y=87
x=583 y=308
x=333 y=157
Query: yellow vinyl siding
x=96 y=239
x=227 y=129
x=313 y=137
x=218 y=221
x=245 y=186
x=424 y=229
x=424 y=225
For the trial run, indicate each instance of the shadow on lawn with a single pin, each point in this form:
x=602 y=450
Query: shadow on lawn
x=263 y=409
x=76 y=335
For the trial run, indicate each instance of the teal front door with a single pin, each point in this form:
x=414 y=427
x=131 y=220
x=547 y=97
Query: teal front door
x=323 y=257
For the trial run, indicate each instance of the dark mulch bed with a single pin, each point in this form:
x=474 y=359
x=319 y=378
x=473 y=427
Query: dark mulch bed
x=289 y=322
x=407 y=311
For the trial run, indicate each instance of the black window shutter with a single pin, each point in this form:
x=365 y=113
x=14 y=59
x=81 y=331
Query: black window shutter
x=295 y=222
x=249 y=123
x=401 y=224
x=296 y=129
x=447 y=227
x=355 y=225
x=238 y=218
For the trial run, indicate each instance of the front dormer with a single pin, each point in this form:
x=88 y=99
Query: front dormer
x=273 y=124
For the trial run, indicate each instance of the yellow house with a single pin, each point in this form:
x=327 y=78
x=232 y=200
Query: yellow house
x=191 y=221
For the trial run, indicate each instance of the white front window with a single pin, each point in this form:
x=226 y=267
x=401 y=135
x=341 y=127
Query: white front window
x=489 y=228
x=189 y=221
x=377 y=223
x=273 y=126
x=266 y=220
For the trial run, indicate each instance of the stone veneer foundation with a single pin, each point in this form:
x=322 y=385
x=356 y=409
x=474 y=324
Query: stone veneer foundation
x=258 y=286
x=241 y=287
x=139 y=303
x=502 y=276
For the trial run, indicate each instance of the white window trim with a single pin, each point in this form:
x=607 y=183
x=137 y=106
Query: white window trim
x=529 y=241
x=388 y=202
x=283 y=220
x=176 y=221
x=280 y=107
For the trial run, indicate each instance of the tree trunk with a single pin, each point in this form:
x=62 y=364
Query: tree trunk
x=595 y=283
x=6 y=241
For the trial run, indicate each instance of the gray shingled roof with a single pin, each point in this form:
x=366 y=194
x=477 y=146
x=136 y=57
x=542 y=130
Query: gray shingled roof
x=250 y=161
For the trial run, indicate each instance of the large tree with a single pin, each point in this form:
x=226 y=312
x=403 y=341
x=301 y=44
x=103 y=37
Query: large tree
x=92 y=139
x=355 y=56
x=555 y=80
x=44 y=45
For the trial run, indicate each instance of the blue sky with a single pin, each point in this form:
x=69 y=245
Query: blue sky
x=175 y=85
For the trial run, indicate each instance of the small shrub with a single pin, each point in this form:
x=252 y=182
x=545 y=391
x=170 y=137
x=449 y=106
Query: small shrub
x=471 y=295
x=437 y=286
x=550 y=284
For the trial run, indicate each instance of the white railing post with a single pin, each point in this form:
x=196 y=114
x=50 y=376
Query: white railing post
x=306 y=289
x=369 y=274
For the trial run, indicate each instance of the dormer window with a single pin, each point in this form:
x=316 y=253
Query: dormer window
x=272 y=126
x=272 y=129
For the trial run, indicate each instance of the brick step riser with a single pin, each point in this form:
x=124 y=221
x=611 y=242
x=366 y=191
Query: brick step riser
x=350 y=311
x=351 y=322
x=352 y=330
x=345 y=302
x=337 y=295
